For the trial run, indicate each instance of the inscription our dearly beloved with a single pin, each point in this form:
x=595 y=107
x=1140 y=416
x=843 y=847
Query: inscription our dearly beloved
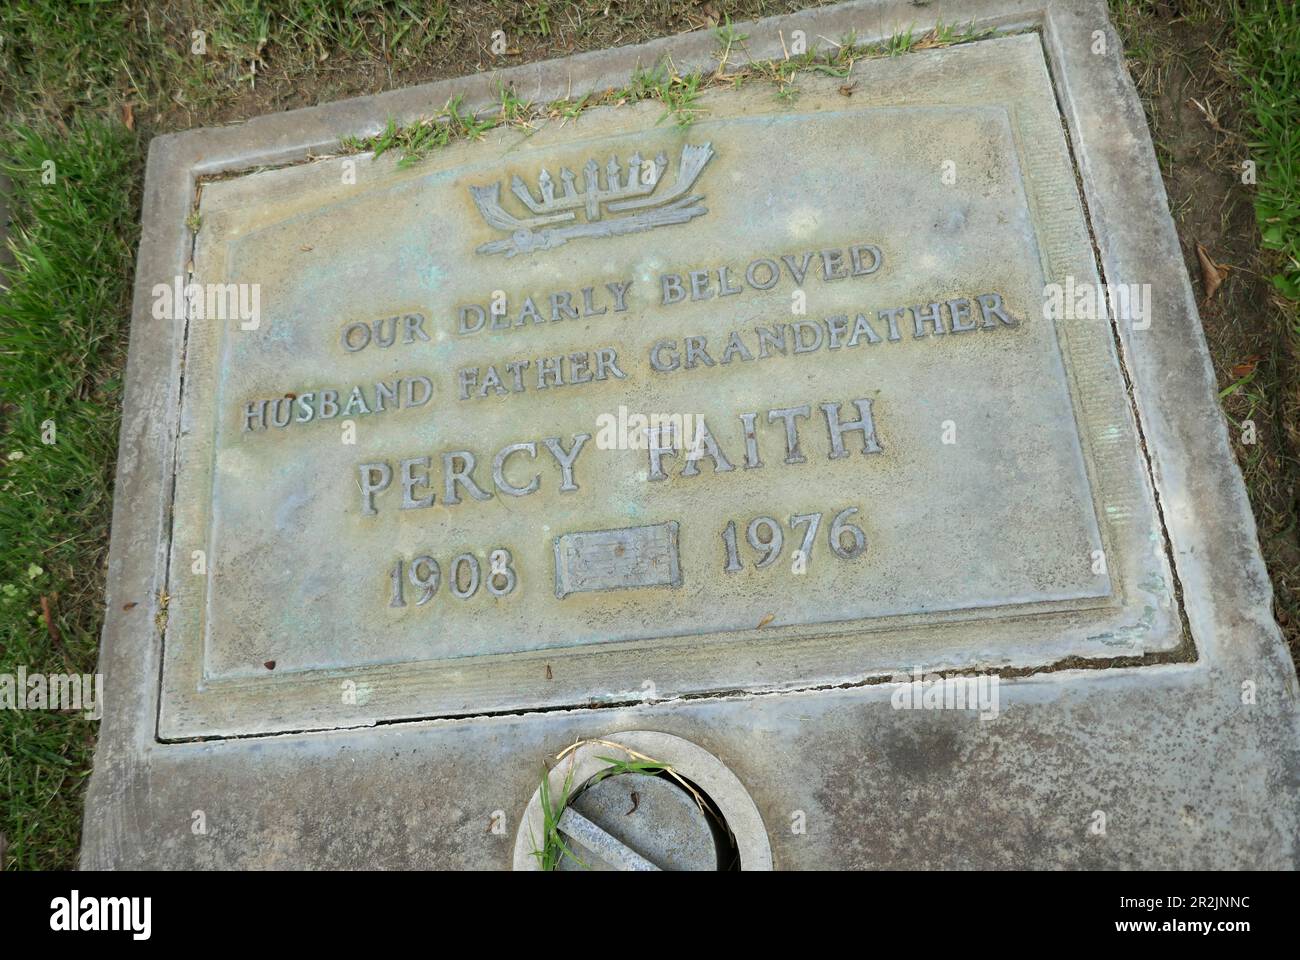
x=723 y=442
x=619 y=203
x=985 y=311
x=765 y=365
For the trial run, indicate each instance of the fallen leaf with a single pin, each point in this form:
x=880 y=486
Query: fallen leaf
x=130 y=606
x=128 y=115
x=636 y=802
x=56 y=638
x=270 y=664
x=1246 y=367
x=766 y=620
x=1212 y=274
x=847 y=88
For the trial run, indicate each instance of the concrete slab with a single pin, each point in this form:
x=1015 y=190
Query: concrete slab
x=1086 y=537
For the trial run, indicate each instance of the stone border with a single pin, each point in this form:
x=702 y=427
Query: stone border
x=1005 y=84
x=1213 y=544
x=693 y=762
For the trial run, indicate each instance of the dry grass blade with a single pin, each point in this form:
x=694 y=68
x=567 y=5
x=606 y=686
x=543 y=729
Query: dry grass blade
x=637 y=755
x=1212 y=274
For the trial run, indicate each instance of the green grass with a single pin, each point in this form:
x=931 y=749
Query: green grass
x=1267 y=61
x=678 y=92
x=58 y=56
x=552 y=848
x=63 y=322
x=616 y=766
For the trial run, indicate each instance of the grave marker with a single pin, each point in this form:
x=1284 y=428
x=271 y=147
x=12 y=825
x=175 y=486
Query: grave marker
x=739 y=431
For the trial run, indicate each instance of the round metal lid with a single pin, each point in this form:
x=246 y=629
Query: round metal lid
x=633 y=821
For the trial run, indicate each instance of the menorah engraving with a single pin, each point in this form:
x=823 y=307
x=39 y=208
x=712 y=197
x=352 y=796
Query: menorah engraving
x=624 y=203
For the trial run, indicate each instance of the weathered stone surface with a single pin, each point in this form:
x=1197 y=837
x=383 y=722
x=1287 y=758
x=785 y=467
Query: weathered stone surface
x=980 y=553
x=383 y=411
